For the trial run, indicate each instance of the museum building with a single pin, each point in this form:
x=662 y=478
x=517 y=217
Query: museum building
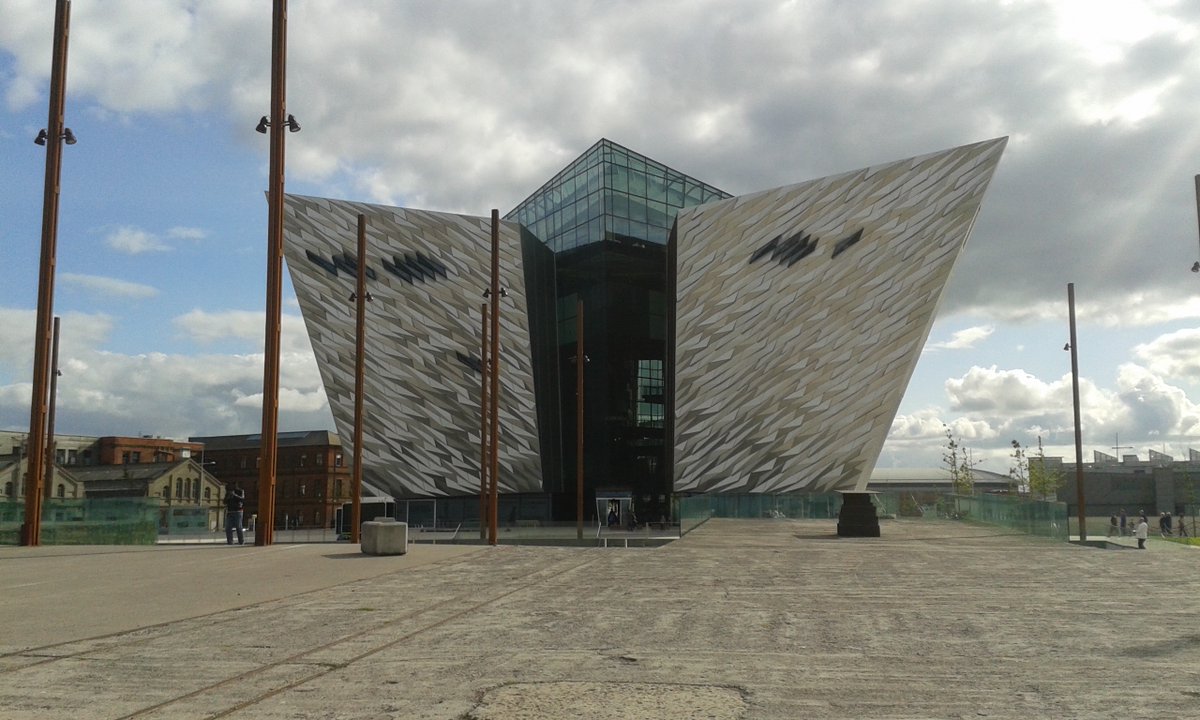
x=752 y=344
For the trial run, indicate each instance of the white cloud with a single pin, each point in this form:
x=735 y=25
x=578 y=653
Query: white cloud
x=107 y=393
x=186 y=233
x=113 y=287
x=964 y=339
x=1175 y=354
x=1008 y=391
x=133 y=241
x=245 y=326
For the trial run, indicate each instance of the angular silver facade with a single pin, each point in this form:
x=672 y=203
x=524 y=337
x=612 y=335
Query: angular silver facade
x=427 y=272
x=800 y=314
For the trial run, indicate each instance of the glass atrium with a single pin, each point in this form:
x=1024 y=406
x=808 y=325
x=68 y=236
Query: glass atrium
x=607 y=217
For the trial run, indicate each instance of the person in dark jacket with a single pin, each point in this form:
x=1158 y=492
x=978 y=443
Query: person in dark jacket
x=235 y=505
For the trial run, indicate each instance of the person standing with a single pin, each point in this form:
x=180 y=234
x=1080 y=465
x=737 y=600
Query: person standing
x=1142 y=532
x=1124 y=523
x=1112 y=525
x=235 y=504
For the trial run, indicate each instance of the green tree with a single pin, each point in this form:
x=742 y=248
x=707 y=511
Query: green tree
x=957 y=460
x=1044 y=482
x=1019 y=471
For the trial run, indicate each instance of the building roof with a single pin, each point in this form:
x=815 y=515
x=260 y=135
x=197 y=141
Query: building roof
x=886 y=477
x=140 y=472
x=298 y=438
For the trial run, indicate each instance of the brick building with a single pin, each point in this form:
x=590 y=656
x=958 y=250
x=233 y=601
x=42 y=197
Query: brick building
x=146 y=449
x=312 y=475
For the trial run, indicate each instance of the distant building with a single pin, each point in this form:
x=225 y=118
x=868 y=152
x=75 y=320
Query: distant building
x=1158 y=484
x=14 y=471
x=935 y=479
x=312 y=477
x=70 y=450
x=113 y=450
x=179 y=486
x=84 y=450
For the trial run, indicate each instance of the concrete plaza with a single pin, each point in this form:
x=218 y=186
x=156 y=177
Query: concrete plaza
x=739 y=619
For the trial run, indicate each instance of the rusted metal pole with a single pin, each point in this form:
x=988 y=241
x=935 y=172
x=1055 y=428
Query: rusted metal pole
x=360 y=344
x=1078 y=430
x=484 y=406
x=264 y=530
x=50 y=444
x=580 y=360
x=31 y=530
x=1197 y=179
x=494 y=380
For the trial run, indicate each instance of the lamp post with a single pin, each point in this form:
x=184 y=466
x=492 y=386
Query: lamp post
x=494 y=381
x=265 y=525
x=52 y=137
x=51 y=446
x=361 y=297
x=484 y=446
x=1078 y=430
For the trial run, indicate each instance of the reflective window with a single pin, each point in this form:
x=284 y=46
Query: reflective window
x=650 y=393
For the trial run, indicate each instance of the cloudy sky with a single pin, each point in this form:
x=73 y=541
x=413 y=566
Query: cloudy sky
x=467 y=106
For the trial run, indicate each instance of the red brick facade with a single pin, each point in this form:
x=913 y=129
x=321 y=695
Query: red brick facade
x=312 y=476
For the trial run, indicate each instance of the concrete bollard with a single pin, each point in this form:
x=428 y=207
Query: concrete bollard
x=384 y=536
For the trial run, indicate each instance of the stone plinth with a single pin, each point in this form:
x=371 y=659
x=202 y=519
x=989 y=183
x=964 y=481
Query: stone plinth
x=384 y=536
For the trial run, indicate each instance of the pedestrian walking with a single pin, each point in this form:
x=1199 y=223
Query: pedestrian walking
x=235 y=504
x=1142 y=532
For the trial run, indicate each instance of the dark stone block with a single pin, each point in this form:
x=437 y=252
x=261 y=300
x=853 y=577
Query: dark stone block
x=857 y=517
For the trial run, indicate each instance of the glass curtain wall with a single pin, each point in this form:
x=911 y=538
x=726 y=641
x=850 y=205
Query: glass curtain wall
x=607 y=216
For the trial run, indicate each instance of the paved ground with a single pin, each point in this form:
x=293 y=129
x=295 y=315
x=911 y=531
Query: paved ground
x=740 y=619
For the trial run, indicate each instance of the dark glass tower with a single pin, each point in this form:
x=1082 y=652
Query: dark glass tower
x=607 y=217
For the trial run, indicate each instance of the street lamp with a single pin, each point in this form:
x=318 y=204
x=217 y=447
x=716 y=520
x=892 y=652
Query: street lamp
x=494 y=292
x=360 y=296
x=265 y=527
x=1073 y=347
x=31 y=531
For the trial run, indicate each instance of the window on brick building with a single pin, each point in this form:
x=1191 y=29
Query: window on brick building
x=179 y=488
x=137 y=456
x=337 y=460
x=62 y=490
x=125 y=458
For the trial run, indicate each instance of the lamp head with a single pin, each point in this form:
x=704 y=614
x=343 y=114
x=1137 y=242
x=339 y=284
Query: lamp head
x=1196 y=267
x=68 y=136
x=41 y=137
x=263 y=124
x=292 y=125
